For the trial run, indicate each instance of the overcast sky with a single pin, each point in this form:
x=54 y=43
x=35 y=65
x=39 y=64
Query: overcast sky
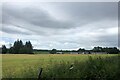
x=61 y=25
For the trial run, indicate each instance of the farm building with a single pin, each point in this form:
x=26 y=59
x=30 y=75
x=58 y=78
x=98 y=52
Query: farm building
x=59 y=52
x=88 y=52
x=74 y=53
x=84 y=52
x=80 y=52
x=99 y=53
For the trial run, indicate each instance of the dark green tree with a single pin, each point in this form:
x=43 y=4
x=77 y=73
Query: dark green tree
x=21 y=46
x=28 y=47
x=4 y=49
x=17 y=46
x=98 y=49
x=111 y=50
x=23 y=50
x=11 y=50
x=81 y=50
x=53 y=51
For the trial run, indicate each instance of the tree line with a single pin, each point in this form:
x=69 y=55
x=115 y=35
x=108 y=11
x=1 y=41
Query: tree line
x=108 y=50
x=18 y=48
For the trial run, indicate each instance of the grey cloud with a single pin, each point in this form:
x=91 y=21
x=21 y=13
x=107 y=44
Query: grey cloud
x=119 y=24
x=111 y=40
x=88 y=12
x=35 y=16
x=46 y=30
x=11 y=29
x=80 y=14
x=92 y=10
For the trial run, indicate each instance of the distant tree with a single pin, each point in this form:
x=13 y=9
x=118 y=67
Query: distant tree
x=81 y=50
x=17 y=46
x=23 y=50
x=111 y=50
x=98 y=49
x=28 y=47
x=14 y=48
x=53 y=51
x=11 y=50
x=20 y=44
x=4 y=49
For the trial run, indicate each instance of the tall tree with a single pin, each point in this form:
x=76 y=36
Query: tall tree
x=23 y=50
x=98 y=49
x=28 y=47
x=17 y=46
x=4 y=49
x=15 y=49
x=81 y=50
x=11 y=50
x=53 y=51
x=21 y=46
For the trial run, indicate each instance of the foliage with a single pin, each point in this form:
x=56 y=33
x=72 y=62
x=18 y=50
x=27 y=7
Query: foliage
x=85 y=67
x=81 y=50
x=19 y=48
x=4 y=49
x=109 y=50
x=93 y=69
x=53 y=51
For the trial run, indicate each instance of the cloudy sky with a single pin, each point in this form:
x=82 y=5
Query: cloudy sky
x=60 y=25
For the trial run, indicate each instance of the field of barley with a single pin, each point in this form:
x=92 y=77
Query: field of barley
x=87 y=66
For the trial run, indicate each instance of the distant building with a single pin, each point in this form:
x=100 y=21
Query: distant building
x=99 y=53
x=74 y=53
x=86 y=52
x=80 y=52
x=59 y=52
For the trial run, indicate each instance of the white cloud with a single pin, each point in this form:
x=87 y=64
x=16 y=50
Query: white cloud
x=112 y=31
x=4 y=43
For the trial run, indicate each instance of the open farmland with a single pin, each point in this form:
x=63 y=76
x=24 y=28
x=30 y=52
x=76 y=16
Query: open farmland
x=59 y=65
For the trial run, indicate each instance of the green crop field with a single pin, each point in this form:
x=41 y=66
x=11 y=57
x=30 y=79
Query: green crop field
x=59 y=65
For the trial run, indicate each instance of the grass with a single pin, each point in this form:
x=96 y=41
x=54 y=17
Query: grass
x=102 y=66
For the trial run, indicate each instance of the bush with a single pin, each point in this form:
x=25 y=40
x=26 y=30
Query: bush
x=94 y=69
